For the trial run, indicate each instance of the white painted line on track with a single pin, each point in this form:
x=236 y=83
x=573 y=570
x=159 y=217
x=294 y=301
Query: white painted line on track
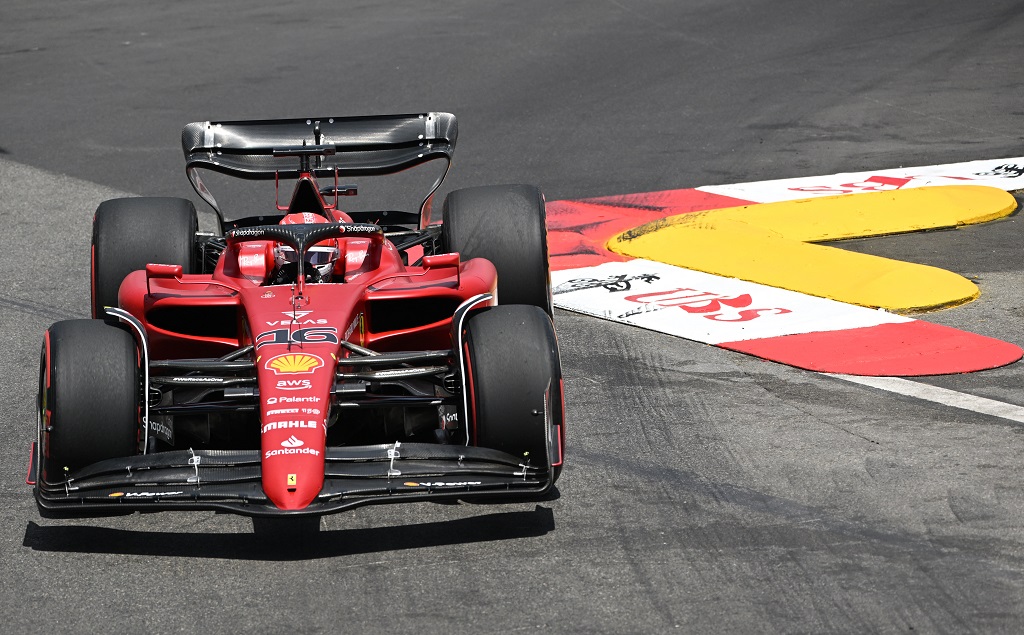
x=935 y=394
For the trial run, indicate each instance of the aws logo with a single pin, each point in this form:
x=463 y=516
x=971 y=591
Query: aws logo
x=294 y=384
x=294 y=364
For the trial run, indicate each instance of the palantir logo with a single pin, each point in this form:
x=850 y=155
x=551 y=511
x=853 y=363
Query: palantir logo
x=292 y=442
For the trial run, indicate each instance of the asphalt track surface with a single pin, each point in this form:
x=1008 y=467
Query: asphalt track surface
x=705 y=491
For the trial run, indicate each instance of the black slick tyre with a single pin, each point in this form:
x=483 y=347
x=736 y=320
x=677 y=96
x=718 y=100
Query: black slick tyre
x=506 y=225
x=88 y=396
x=513 y=383
x=129 y=233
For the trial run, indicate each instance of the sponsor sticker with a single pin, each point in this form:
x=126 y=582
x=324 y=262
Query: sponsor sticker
x=294 y=364
x=162 y=431
x=448 y=417
x=287 y=399
x=198 y=380
x=441 y=484
x=291 y=451
x=710 y=305
x=143 y=494
x=612 y=284
x=283 y=411
x=362 y=228
x=357 y=322
x=297 y=317
x=247 y=233
x=249 y=261
x=283 y=425
x=294 y=384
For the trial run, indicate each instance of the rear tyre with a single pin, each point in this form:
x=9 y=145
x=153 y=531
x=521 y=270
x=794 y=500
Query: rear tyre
x=88 y=396
x=129 y=233
x=513 y=382
x=506 y=225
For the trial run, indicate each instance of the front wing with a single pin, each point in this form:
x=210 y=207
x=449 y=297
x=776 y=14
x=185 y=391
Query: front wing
x=230 y=480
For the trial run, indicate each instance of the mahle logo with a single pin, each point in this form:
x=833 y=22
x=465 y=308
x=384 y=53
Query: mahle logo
x=294 y=364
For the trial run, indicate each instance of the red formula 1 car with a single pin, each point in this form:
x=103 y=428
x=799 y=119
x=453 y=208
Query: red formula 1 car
x=306 y=360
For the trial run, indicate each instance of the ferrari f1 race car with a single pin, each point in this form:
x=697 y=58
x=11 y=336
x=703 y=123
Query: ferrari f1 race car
x=306 y=360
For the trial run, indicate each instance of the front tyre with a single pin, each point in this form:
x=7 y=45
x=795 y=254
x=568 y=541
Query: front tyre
x=88 y=396
x=513 y=384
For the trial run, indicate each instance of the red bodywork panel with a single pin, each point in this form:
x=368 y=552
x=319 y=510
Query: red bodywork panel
x=374 y=301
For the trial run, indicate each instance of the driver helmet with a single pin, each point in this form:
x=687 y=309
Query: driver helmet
x=321 y=256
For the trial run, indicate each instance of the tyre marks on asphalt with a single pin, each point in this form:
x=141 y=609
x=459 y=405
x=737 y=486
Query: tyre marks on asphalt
x=759 y=493
x=47 y=231
x=707 y=536
x=692 y=515
x=36 y=309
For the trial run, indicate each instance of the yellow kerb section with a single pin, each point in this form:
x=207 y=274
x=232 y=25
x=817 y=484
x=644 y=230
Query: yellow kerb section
x=769 y=244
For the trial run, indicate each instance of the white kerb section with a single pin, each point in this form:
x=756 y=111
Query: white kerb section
x=1005 y=174
x=701 y=306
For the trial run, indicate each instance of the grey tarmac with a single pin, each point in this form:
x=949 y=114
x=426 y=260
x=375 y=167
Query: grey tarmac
x=705 y=491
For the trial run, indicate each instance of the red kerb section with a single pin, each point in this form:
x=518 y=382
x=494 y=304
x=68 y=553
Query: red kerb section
x=905 y=349
x=578 y=230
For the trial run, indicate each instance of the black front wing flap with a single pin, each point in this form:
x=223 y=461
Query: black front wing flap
x=230 y=480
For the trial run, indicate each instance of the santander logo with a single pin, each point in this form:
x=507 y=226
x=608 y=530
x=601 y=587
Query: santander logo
x=290 y=447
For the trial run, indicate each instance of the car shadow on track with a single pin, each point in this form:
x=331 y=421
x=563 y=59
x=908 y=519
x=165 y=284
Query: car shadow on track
x=267 y=545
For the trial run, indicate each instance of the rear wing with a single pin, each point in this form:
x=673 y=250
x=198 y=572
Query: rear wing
x=351 y=146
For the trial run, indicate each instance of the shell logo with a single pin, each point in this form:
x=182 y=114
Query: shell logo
x=294 y=364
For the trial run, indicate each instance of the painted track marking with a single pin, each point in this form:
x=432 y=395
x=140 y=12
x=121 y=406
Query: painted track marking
x=770 y=243
x=1006 y=174
x=580 y=230
x=935 y=394
x=792 y=328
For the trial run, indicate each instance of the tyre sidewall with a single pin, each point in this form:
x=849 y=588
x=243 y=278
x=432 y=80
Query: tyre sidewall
x=89 y=395
x=513 y=380
x=505 y=224
x=129 y=233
